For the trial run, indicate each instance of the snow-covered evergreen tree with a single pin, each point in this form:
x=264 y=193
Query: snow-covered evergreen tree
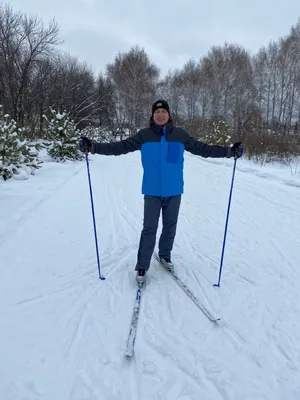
x=97 y=134
x=64 y=137
x=219 y=134
x=17 y=156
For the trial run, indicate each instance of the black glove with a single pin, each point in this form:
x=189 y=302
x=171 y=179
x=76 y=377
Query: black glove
x=237 y=150
x=85 y=144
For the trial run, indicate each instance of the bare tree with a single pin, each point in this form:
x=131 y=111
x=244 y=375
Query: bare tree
x=135 y=79
x=72 y=89
x=189 y=83
x=169 y=89
x=105 y=105
x=228 y=83
x=24 y=42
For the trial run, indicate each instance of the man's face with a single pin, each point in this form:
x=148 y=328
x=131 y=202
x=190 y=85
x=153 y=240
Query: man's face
x=161 y=116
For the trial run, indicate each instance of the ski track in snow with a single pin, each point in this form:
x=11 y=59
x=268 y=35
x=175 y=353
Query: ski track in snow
x=63 y=331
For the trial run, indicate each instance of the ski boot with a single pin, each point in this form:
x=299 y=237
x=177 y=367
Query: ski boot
x=167 y=263
x=141 y=277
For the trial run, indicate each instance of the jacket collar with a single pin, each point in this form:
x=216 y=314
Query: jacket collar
x=159 y=129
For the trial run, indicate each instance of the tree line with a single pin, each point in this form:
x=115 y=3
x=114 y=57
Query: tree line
x=256 y=96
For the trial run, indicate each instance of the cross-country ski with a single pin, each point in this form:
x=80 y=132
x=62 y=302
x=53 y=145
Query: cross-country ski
x=134 y=323
x=188 y=292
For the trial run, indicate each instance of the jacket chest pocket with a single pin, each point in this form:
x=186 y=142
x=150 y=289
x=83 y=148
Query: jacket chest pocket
x=173 y=153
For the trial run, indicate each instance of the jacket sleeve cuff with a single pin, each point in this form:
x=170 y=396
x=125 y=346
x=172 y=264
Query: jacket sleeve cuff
x=229 y=153
x=93 y=148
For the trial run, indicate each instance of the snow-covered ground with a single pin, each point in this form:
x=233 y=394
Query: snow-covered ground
x=63 y=331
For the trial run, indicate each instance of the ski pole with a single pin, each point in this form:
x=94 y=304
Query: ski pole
x=226 y=225
x=93 y=214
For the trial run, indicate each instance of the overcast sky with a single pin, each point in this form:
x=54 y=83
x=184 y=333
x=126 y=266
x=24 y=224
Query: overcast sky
x=170 y=31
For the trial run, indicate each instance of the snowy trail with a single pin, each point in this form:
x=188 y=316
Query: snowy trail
x=63 y=331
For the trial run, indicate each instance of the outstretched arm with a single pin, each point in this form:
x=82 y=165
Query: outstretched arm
x=205 y=150
x=128 y=145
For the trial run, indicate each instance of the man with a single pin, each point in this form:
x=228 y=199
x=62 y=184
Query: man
x=162 y=146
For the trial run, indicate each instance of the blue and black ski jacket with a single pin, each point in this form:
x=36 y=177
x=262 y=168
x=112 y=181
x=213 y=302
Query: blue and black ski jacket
x=162 y=151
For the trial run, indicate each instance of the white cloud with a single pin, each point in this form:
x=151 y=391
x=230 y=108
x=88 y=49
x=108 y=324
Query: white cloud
x=171 y=31
x=89 y=3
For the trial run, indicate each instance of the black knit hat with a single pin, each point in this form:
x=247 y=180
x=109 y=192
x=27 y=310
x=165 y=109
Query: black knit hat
x=160 y=104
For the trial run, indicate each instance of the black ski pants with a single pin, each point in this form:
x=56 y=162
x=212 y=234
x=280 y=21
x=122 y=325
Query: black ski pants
x=153 y=205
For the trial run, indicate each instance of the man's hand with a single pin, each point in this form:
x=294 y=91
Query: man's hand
x=237 y=150
x=85 y=144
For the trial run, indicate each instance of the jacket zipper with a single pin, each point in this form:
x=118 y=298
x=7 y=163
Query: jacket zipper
x=162 y=140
